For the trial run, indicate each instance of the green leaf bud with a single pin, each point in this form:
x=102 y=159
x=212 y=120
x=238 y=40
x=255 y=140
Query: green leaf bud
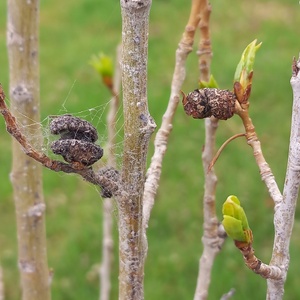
x=104 y=67
x=245 y=66
x=235 y=221
x=212 y=83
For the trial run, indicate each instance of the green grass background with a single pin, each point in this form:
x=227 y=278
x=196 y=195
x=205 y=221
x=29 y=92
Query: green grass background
x=70 y=32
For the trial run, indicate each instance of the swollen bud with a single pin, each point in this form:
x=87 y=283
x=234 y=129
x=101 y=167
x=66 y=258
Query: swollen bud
x=209 y=102
x=235 y=220
x=104 y=66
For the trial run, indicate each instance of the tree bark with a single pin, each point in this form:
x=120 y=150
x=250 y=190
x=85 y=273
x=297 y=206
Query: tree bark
x=285 y=209
x=26 y=174
x=138 y=127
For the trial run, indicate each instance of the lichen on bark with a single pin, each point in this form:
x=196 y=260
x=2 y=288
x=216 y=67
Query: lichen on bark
x=138 y=127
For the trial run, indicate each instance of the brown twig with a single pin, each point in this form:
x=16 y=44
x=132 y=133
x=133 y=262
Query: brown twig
x=87 y=173
x=215 y=158
x=211 y=240
x=253 y=141
x=255 y=264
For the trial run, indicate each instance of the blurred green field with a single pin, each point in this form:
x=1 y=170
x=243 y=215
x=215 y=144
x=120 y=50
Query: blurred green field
x=69 y=34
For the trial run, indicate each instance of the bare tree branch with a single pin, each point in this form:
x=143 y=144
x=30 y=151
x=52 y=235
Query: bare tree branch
x=1 y=285
x=26 y=174
x=228 y=295
x=138 y=127
x=185 y=46
x=255 y=264
x=253 y=141
x=107 y=242
x=107 y=250
x=211 y=239
x=285 y=209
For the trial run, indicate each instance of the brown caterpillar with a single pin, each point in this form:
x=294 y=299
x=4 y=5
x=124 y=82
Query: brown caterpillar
x=207 y=102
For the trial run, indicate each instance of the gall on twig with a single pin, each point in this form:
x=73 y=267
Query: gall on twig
x=207 y=102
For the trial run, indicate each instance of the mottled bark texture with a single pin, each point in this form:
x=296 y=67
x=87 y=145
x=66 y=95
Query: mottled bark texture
x=138 y=127
x=26 y=174
x=285 y=209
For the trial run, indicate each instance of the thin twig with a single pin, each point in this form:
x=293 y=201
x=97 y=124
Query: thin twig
x=185 y=46
x=215 y=158
x=107 y=250
x=255 y=264
x=107 y=243
x=211 y=240
x=253 y=141
x=228 y=295
x=1 y=285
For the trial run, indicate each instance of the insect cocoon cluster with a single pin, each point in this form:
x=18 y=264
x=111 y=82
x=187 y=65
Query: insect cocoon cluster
x=207 y=102
x=77 y=140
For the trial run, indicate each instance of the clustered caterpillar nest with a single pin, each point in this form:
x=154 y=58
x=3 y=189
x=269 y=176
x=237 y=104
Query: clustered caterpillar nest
x=69 y=127
x=77 y=145
x=77 y=140
x=112 y=176
x=207 y=102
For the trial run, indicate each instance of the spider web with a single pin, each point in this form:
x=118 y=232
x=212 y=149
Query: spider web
x=40 y=137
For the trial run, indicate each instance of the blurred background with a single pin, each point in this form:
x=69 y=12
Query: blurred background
x=70 y=33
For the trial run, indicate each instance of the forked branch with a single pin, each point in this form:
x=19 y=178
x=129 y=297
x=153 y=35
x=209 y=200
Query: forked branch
x=255 y=264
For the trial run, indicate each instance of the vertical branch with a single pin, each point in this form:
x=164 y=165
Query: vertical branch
x=107 y=244
x=285 y=210
x=1 y=285
x=210 y=239
x=113 y=109
x=204 y=48
x=185 y=46
x=138 y=127
x=107 y=249
x=26 y=174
